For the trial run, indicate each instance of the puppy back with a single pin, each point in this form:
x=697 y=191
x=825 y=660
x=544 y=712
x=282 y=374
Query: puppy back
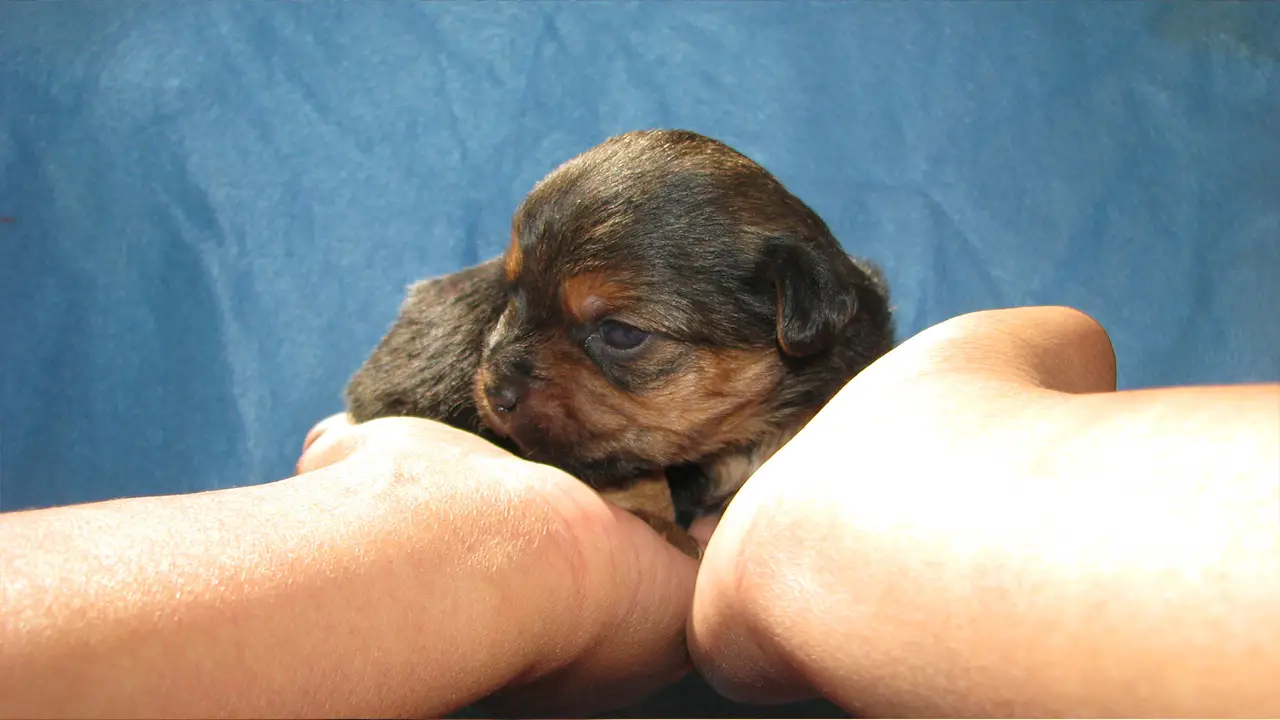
x=426 y=363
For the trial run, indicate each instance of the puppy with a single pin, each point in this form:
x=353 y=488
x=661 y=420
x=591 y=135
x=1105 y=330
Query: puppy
x=666 y=316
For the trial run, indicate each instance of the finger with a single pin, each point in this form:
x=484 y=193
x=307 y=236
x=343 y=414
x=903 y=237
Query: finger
x=637 y=603
x=330 y=441
x=703 y=528
x=320 y=428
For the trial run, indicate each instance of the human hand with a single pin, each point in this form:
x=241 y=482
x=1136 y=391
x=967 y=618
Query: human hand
x=605 y=626
x=771 y=622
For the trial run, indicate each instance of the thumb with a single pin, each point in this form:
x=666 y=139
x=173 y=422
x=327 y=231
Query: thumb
x=329 y=441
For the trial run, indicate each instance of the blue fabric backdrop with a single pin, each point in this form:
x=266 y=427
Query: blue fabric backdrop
x=211 y=210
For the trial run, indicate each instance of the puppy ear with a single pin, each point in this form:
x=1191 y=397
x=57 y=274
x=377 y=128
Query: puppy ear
x=817 y=294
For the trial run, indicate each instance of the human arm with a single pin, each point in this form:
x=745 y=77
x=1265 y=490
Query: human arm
x=976 y=525
x=411 y=571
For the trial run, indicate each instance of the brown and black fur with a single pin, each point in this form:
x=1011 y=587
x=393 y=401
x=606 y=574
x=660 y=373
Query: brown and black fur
x=755 y=317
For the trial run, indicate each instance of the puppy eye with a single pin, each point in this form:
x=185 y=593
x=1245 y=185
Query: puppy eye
x=621 y=336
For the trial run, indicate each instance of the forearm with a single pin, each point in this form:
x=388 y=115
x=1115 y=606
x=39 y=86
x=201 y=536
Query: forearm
x=304 y=597
x=1112 y=554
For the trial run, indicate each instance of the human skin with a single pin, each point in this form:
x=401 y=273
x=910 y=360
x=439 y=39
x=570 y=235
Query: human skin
x=409 y=570
x=979 y=525
x=1012 y=539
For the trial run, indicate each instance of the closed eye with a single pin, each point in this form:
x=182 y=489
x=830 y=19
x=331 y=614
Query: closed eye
x=621 y=336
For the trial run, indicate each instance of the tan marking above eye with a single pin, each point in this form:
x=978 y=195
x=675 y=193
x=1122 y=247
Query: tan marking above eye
x=588 y=296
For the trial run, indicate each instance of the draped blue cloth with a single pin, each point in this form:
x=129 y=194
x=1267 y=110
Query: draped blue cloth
x=211 y=210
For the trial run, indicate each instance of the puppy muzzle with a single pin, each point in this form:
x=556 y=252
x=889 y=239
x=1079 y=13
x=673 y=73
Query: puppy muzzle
x=506 y=384
x=506 y=394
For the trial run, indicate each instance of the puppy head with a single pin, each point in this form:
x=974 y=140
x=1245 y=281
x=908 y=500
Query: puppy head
x=663 y=291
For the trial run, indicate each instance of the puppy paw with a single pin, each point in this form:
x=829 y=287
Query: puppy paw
x=672 y=533
x=684 y=542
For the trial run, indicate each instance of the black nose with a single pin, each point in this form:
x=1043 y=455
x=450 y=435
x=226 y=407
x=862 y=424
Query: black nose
x=505 y=394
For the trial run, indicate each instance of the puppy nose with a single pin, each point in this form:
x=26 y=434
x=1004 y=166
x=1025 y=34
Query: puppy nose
x=505 y=395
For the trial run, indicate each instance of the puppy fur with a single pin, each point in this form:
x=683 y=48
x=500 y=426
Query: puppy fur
x=665 y=310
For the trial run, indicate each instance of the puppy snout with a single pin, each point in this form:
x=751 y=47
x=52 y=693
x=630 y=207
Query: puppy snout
x=507 y=392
